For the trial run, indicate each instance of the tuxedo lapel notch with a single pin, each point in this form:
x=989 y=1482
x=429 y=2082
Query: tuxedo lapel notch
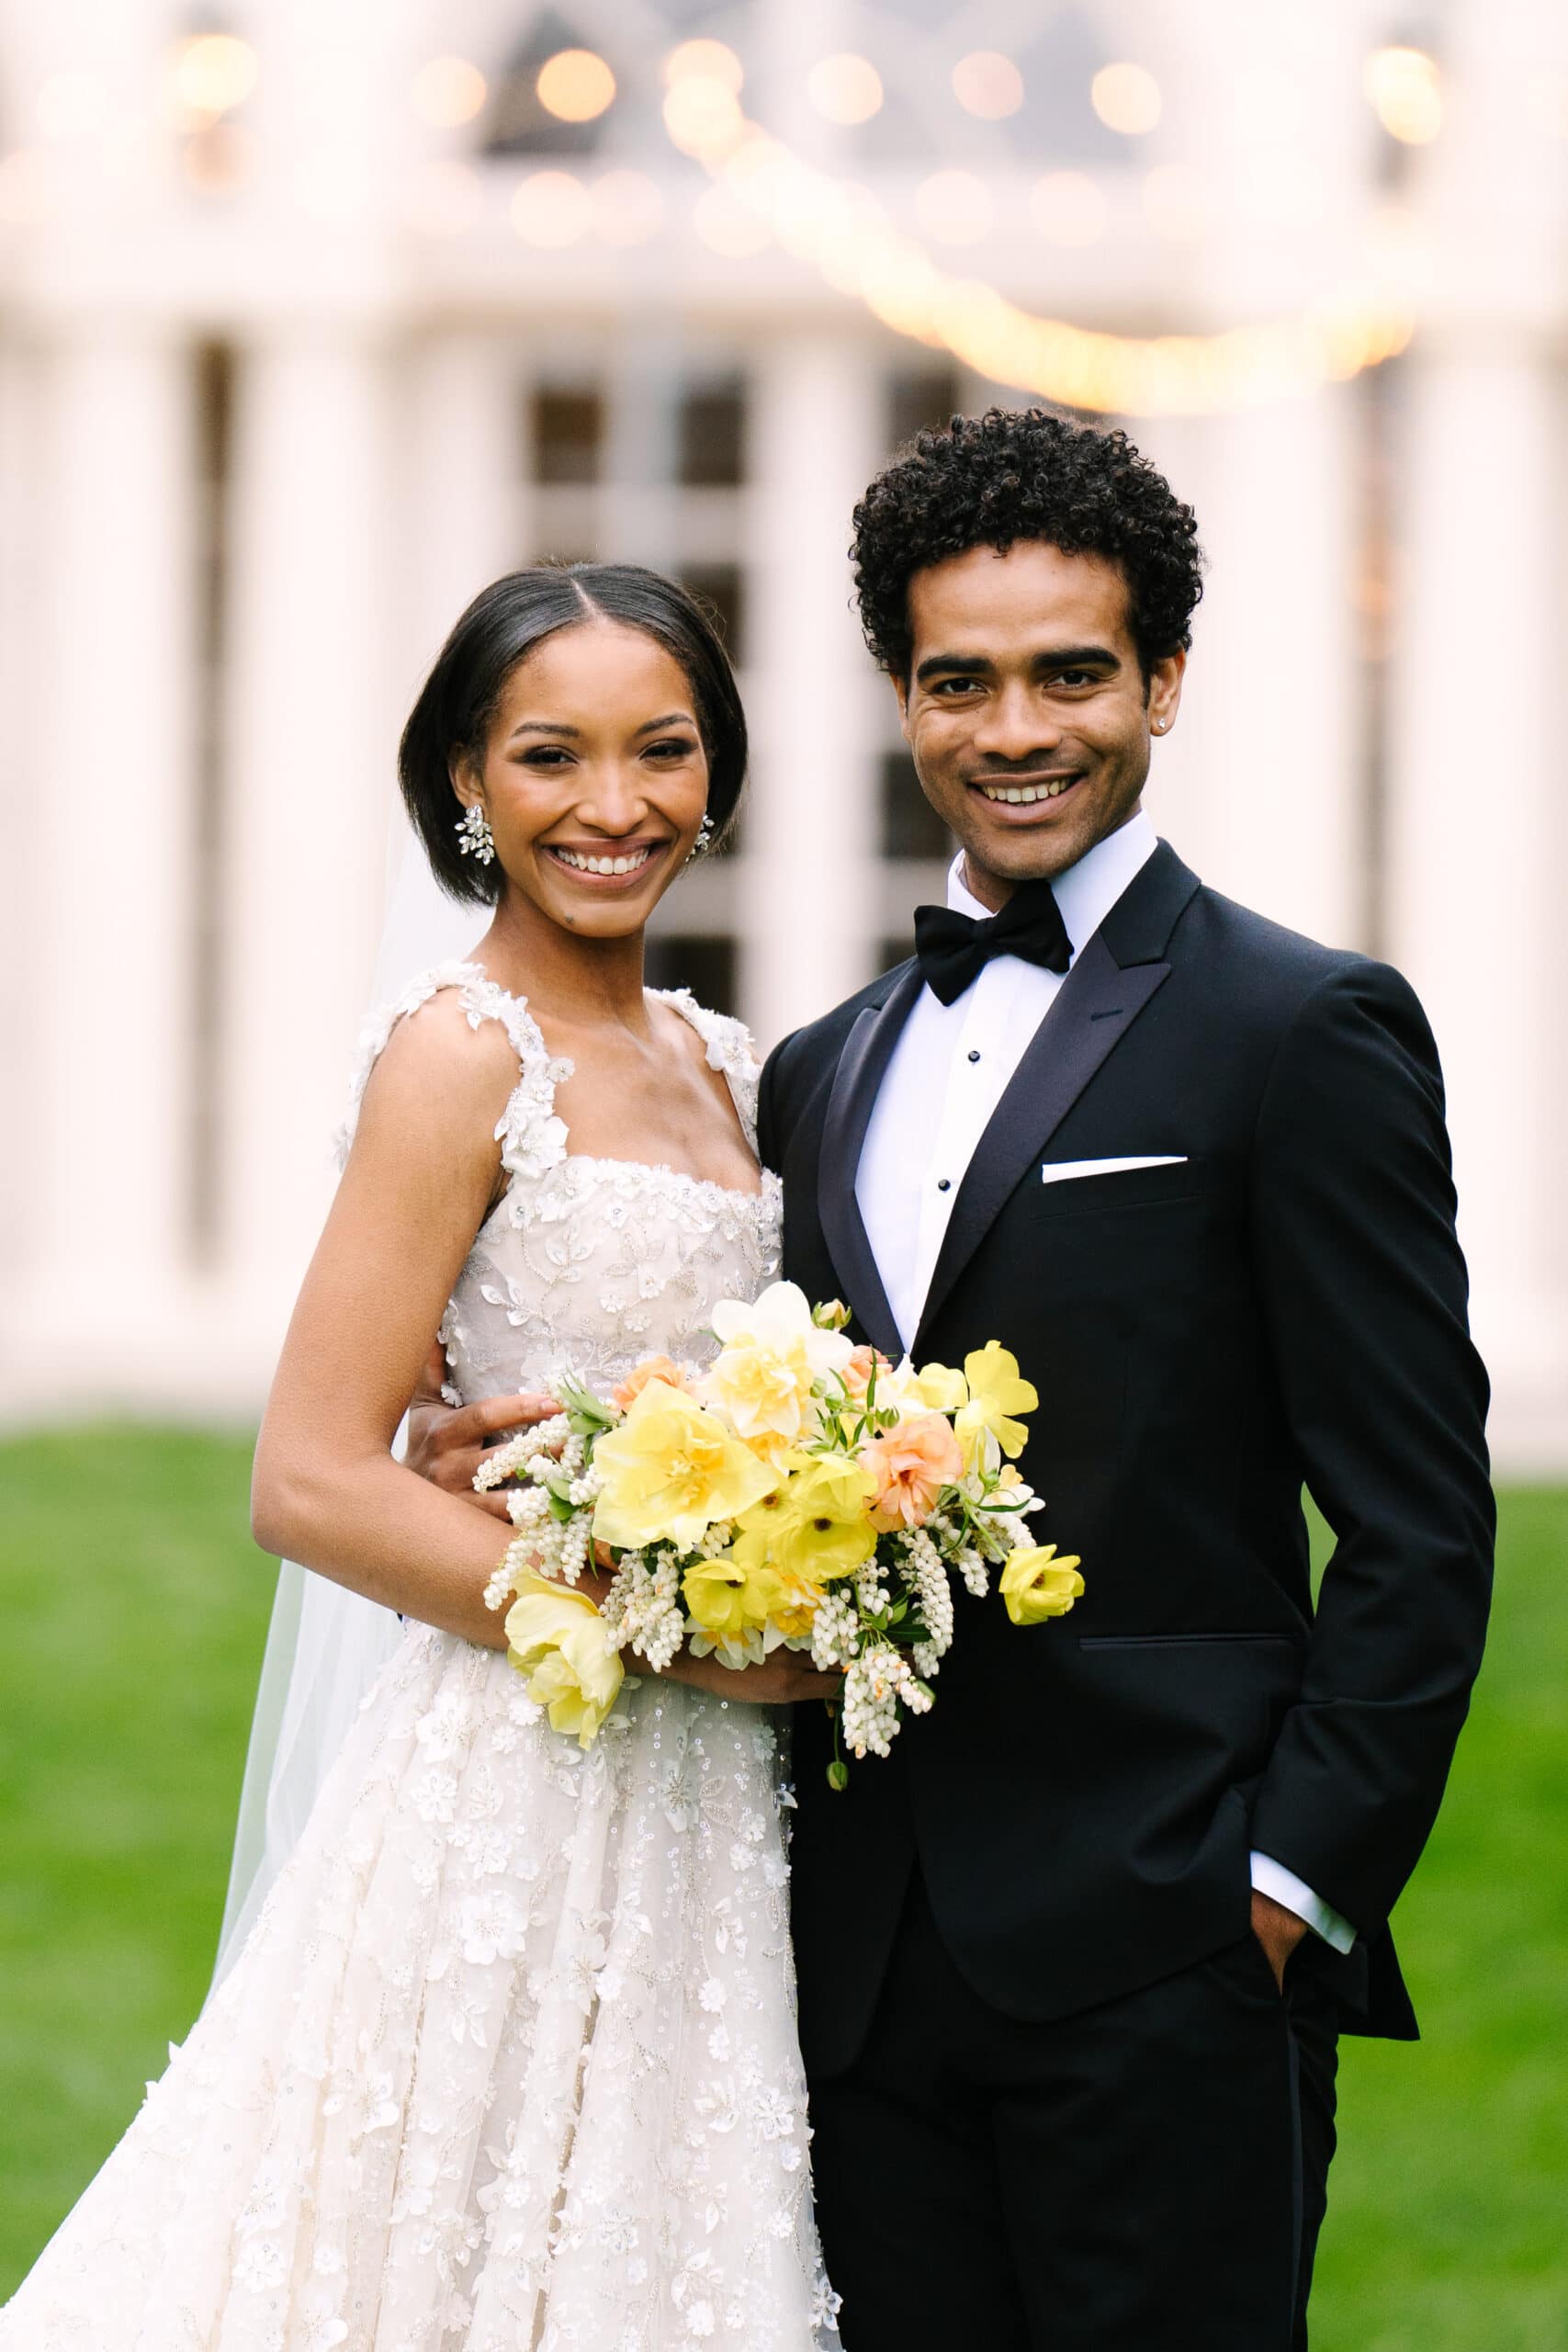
x=867 y=1051
x=1098 y=1002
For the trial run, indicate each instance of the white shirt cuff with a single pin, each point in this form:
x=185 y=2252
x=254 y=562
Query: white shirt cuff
x=1273 y=1879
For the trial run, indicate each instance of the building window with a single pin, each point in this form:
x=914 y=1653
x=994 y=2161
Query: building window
x=910 y=826
x=721 y=586
x=567 y=432
x=918 y=398
x=711 y=436
x=705 y=965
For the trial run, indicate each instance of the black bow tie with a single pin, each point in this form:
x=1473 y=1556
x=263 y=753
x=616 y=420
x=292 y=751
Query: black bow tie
x=952 y=947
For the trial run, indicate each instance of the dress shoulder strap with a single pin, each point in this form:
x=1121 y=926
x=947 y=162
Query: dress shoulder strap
x=731 y=1050
x=531 y=1138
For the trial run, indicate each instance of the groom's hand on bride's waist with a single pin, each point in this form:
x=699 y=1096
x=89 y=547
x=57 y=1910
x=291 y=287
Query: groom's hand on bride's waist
x=448 y=1442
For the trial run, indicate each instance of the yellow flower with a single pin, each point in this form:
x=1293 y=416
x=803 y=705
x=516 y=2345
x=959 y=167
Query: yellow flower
x=670 y=1470
x=813 y=1527
x=727 y=1597
x=556 y=1637
x=771 y=1356
x=942 y=1389
x=995 y=1392
x=1036 y=1584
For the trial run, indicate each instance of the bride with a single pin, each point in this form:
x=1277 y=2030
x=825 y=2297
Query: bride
x=508 y=2061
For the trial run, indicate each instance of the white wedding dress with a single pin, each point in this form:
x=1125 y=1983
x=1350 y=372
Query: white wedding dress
x=508 y=2063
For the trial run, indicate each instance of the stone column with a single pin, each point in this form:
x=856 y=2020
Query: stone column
x=111 y=828
x=312 y=724
x=808 y=888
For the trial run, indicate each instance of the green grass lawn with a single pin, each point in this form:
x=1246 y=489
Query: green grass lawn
x=135 y=1612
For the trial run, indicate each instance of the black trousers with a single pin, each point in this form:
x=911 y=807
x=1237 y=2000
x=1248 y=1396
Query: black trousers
x=1144 y=2177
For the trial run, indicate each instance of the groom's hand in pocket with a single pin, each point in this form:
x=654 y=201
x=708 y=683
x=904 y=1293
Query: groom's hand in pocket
x=448 y=1442
x=1278 y=1930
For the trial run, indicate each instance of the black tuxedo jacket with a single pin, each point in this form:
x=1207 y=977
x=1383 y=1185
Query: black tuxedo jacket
x=1286 y=1304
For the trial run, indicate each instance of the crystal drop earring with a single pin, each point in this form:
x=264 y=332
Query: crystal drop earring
x=474 y=836
x=704 y=841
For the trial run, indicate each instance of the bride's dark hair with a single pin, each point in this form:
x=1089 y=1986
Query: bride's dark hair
x=505 y=621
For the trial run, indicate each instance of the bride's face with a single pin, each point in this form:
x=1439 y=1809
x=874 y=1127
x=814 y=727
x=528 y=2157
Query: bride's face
x=595 y=778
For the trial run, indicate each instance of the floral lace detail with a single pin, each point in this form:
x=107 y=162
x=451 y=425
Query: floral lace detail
x=531 y=1137
x=509 y=2063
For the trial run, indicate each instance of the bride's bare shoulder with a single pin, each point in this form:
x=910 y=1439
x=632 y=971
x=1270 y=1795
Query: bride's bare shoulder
x=441 y=1073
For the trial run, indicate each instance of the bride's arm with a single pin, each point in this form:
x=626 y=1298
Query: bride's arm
x=420 y=1176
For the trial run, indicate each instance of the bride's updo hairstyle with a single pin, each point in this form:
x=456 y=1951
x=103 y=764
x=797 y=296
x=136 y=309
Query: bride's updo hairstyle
x=459 y=699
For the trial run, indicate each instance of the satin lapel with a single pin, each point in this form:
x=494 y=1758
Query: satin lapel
x=865 y=1057
x=1097 y=1005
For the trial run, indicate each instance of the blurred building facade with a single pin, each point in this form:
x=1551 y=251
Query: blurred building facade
x=314 y=316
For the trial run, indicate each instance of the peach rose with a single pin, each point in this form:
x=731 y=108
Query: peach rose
x=910 y=1465
x=856 y=1373
x=650 y=1368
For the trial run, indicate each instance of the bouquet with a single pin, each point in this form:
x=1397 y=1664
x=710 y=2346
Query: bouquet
x=801 y=1491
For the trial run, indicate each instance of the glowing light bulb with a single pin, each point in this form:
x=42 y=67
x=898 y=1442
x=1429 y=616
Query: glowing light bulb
x=629 y=208
x=702 y=117
x=214 y=72
x=1405 y=93
x=845 y=89
x=575 y=86
x=552 y=209
x=988 y=84
x=705 y=61
x=1067 y=207
x=448 y=91
x=1126 y=98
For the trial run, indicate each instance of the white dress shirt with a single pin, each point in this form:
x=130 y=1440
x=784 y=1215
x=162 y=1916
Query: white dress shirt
x=947 y=1073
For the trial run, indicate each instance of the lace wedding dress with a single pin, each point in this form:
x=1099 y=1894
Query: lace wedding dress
x=508 y=2063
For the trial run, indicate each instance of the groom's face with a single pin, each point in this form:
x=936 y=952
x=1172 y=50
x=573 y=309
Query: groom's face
x=1026 y=707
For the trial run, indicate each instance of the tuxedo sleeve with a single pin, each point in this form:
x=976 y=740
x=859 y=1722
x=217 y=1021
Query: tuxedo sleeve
x=1364 y=1290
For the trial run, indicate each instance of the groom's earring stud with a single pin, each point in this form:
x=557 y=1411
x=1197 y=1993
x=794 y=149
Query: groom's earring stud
x=474 y=836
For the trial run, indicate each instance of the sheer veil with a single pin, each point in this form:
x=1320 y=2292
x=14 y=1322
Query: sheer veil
x=326 y=1646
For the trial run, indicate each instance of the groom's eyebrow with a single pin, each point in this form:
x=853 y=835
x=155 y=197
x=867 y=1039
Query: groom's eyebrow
x=1054 y=657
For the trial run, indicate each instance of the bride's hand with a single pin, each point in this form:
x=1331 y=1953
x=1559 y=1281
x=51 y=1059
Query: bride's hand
x=781 y=1679
x=448 y=1442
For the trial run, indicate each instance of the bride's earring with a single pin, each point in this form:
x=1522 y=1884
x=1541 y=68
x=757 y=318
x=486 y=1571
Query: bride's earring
x=704 y=841
x=474 y=836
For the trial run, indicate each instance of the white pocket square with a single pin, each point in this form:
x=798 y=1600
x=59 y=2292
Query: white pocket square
x=1061 y=1172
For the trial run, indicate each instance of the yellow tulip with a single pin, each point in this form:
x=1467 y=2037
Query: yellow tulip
x=996 y=1392
x=727 y=1597
x=813 y=1527
x=556 y=1638
x=670 y=1470
x=1036 y=1584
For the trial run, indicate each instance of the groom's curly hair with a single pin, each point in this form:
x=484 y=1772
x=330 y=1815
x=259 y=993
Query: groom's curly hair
x=1018 y=474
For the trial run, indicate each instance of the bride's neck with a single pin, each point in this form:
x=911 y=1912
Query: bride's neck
x=565 y=977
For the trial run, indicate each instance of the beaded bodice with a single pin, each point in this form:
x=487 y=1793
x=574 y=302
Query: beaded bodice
x=588 y=1264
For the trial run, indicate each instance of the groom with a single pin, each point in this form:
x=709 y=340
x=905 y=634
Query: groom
x=1073 y=1960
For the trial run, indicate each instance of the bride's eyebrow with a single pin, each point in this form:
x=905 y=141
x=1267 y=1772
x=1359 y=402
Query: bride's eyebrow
x=542 y=727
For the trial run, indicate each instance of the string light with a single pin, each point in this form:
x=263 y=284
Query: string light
x=1126 y=98
x=988 y=84
x=1067 y=207
x=705 y=61
x=575 y=86
x=845 y=88
x=448 y=91
x=849 y=239
x=1405 y=93
x=215 y=73
x=552 y=209
x=629 y=208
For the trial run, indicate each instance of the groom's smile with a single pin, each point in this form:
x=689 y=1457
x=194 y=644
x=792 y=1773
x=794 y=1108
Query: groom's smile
x=1027 y=708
